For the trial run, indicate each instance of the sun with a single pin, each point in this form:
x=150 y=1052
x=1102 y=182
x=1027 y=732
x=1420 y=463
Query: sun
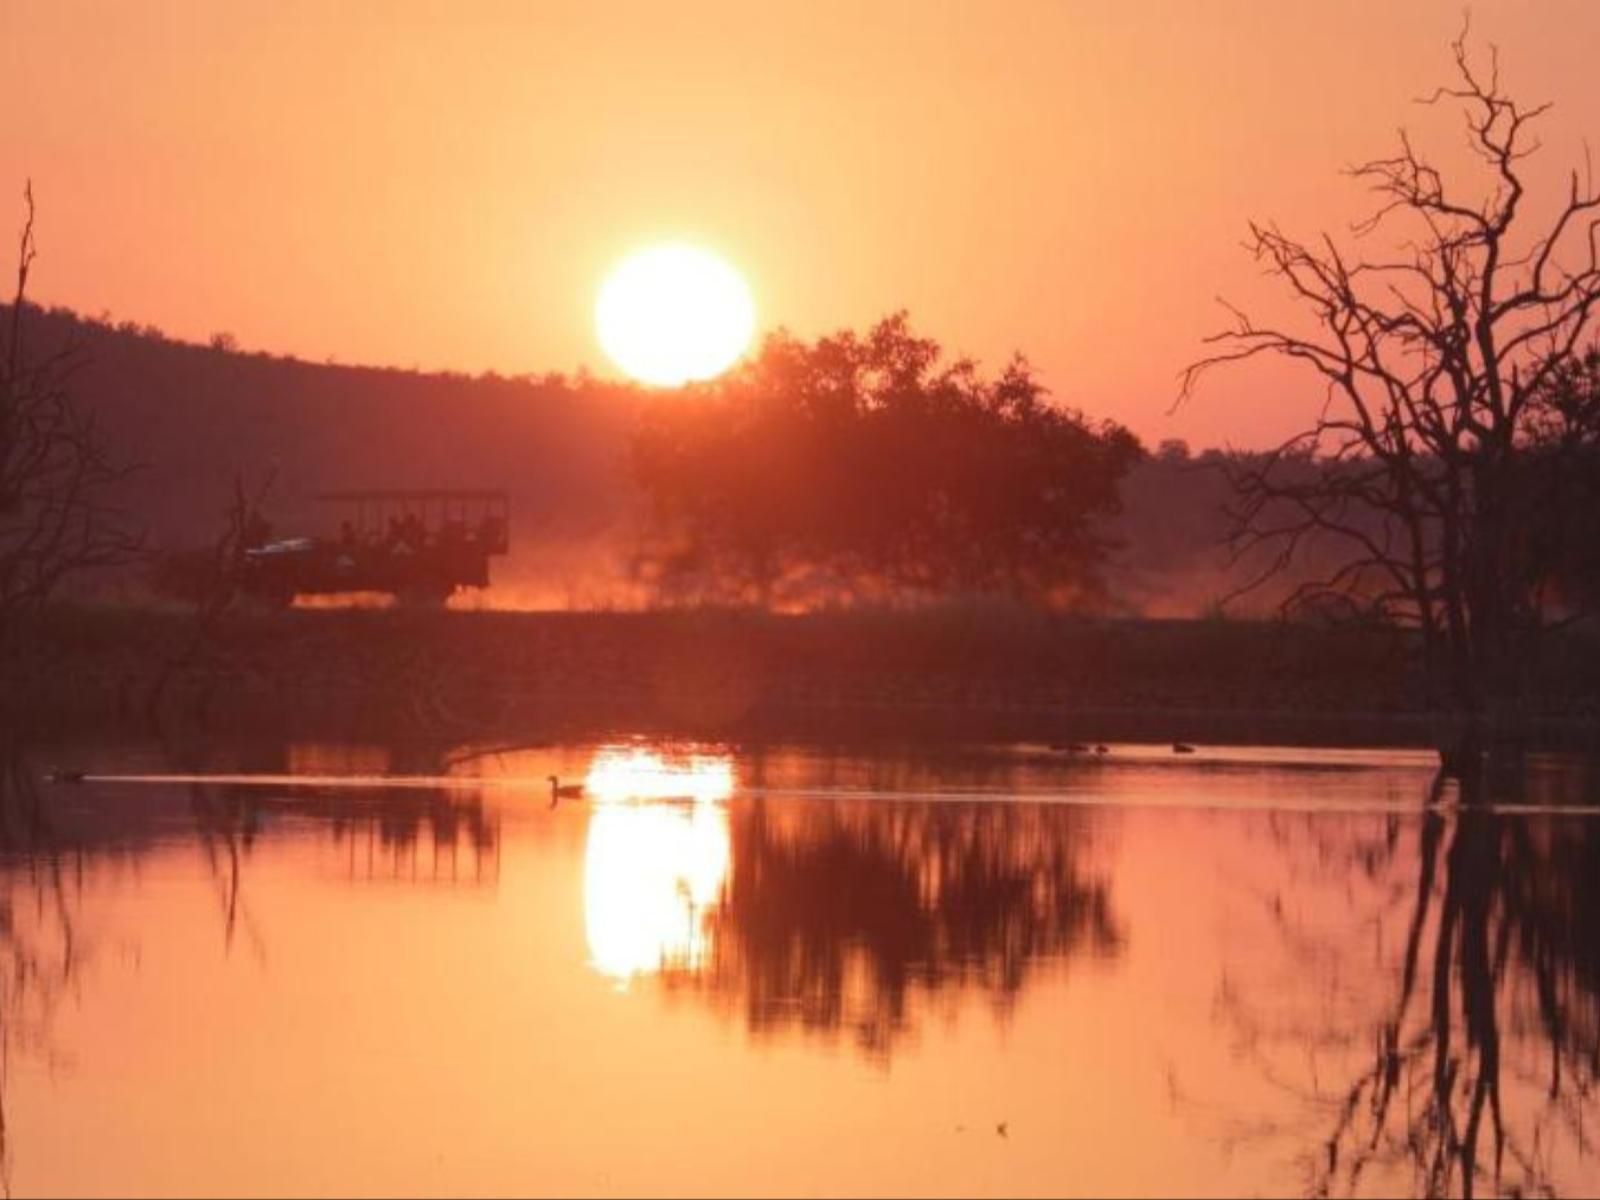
x=674 y=313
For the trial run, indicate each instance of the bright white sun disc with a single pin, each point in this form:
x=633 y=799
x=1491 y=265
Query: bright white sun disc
x=674 y=313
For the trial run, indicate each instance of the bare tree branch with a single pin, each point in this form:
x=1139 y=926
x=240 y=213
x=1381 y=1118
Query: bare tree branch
x=1433 y=456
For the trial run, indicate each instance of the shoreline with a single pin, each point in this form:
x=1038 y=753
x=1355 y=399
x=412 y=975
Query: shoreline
x=942 y=673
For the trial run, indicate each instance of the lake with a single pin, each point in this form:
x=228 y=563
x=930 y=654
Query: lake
x=791 y=969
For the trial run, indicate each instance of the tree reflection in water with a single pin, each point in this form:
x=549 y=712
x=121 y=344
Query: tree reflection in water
x=47 y=861
x=53 y=855
x=1484 y=1056
x=39 y=950
x=836 y=915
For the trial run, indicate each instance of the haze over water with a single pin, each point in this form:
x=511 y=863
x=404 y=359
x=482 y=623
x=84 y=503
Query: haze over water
x=978 y=970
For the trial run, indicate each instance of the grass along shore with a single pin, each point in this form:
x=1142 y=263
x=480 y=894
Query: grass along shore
x=710 y=670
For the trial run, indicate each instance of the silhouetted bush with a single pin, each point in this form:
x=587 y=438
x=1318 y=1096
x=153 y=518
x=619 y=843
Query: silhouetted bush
x=865 y=464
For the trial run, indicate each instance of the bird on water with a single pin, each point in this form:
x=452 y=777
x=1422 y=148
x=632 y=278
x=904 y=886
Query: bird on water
x=1182 y=748
x=563 y=791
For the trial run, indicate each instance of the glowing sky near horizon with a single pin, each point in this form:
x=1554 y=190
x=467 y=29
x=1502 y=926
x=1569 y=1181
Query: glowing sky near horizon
x=445 y=186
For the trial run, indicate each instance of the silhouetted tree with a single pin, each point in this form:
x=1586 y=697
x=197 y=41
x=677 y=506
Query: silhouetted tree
x=210 y=580
x=55 y=475
x=1173 y=450
x=1444 y=438
x=865 y=463
x=1565 y=468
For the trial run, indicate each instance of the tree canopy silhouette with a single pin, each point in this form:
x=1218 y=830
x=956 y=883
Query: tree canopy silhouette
x=865 y=463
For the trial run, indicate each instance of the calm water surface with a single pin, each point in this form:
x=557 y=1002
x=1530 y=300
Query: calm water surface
x=788 y=970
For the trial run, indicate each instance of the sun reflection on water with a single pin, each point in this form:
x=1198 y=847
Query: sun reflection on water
x=620 y=773
x=654 y=870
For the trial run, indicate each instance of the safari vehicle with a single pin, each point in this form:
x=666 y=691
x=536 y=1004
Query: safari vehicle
x=418 y=546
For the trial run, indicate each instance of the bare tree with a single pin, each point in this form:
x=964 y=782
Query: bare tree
x=56 y=517
x=1438 y=454
x=211 y=579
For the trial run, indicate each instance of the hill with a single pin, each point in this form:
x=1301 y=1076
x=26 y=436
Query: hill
x=190 y=417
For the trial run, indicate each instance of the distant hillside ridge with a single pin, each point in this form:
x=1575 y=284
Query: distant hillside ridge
x=191 y=416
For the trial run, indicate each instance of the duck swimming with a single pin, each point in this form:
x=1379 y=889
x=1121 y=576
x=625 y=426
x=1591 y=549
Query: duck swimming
x=563 y=791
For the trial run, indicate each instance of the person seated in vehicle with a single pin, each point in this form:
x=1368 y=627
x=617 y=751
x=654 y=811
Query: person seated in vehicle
x=413 y=531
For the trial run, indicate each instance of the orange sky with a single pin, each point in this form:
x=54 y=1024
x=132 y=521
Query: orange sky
x=444 y=185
